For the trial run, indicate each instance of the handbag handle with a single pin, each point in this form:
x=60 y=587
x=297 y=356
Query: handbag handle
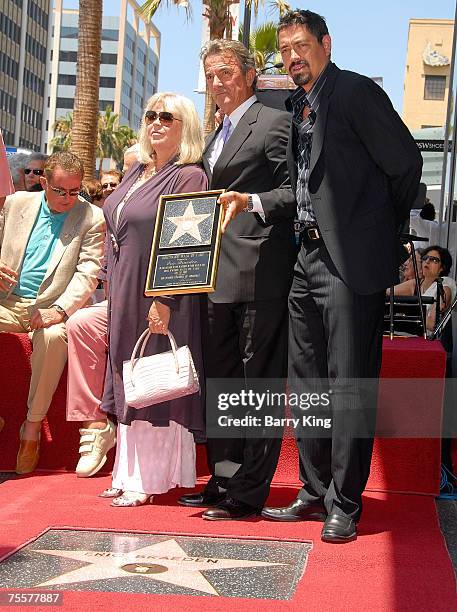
x=144 y=339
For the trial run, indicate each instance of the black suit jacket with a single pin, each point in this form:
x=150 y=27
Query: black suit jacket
x=365 y=173
x=257 y=257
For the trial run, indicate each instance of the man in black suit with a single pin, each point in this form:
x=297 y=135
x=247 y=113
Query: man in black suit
x=355 y=170
x=245 y=319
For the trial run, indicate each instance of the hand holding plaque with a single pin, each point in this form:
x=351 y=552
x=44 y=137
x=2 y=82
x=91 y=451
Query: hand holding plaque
x=185 y=248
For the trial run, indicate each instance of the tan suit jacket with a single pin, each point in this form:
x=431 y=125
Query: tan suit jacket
x=75 y=263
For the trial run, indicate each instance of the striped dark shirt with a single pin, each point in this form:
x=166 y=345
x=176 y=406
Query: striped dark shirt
x=296 y=103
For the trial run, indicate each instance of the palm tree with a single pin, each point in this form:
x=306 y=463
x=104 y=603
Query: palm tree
x=111 y=140
x=85 y=116
x=263 y=44
x=62 y=130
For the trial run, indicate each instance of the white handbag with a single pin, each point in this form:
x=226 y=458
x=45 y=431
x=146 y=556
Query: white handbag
x=158 y=378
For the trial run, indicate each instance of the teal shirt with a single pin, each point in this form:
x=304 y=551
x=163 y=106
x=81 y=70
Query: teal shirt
x=38 y=253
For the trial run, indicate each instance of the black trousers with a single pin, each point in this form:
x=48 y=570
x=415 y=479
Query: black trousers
x=335 y=340
x=243 y=341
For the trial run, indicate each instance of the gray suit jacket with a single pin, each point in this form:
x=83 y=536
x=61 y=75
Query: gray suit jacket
x=257 y=257
x=72 y=273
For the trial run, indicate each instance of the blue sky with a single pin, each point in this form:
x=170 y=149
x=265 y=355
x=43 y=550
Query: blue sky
x=369 y=37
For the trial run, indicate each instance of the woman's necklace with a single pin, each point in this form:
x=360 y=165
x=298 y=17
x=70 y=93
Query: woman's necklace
x=147 y=172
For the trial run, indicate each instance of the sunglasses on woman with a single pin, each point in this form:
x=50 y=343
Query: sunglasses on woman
x=165 y=117
x=431 y=259
x=106 y=185
x=35 y=171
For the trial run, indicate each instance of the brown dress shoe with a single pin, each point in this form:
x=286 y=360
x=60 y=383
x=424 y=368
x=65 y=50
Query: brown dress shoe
x=2 y=423
x=28 y=456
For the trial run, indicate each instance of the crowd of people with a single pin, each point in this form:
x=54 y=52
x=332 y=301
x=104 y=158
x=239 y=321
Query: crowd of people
x=342 y=163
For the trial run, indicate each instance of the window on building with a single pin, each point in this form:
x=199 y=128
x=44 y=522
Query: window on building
x=139 y=78
x=102 y=104
x=129 y=43
x=108 y=82
x=67 y=56
x=128 y=66
x=141 y=56
x=37 y=14
x=7 y=102
x=435 y=87
x=65 y=102
x=67 y=79
x=125 y=111
x=33 y=82
x=126 y=89
x=108 y=58
x=110 y=34
x=68 y=32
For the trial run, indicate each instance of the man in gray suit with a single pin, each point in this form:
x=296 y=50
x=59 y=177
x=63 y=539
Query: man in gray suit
x=244 y=320
x=50 y=256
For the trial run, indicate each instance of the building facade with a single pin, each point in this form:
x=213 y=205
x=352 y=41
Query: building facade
x=24 y=44
x=128 y=70
x=427 y=72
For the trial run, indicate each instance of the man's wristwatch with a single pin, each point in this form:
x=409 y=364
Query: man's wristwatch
x=61 y=311
x=249 y=205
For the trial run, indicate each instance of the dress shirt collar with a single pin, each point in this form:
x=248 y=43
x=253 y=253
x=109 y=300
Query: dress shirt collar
x=236 y=115
x=300 y=98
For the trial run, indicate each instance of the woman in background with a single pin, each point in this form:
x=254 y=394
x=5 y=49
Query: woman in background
x=436 y=264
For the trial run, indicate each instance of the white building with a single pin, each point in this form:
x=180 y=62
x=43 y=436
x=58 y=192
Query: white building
x=129 y=64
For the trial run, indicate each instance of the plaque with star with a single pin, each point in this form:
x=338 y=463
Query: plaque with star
x=186 y=243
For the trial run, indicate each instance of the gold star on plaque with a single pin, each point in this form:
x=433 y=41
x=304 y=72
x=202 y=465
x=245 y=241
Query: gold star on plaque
x=164 y=562
x=188 y=223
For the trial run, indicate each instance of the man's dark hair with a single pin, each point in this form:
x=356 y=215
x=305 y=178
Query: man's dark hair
x=314 y=22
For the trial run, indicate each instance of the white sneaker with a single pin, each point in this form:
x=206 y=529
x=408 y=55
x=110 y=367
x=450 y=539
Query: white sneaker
x=94 y=444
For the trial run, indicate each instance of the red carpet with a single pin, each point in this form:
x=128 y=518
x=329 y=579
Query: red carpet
x=406 y=465
x=399 y=561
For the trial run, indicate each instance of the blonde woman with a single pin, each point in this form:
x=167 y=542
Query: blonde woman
x=156 y=445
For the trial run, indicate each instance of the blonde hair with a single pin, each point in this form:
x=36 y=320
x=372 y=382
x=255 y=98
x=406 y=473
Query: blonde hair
x=192 y=142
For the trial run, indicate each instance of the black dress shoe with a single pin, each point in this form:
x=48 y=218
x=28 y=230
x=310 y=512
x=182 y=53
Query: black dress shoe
x=339 y=529
x=298 y=510
x=228 y=510
x=201 y=500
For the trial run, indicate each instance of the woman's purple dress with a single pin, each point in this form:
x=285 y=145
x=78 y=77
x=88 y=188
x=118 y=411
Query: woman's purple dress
x=127 y=264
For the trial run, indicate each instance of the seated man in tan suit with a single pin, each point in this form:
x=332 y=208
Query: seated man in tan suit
x=50 y=256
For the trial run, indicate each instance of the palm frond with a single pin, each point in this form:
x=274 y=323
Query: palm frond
x=150 y=7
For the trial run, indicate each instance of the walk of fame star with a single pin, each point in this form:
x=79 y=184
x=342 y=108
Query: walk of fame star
x=188 y=223
x=165 y=562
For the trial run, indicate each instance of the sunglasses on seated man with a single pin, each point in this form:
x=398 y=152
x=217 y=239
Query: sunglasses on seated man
x=165 y=117
x=35 y=171
x=63 y=192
